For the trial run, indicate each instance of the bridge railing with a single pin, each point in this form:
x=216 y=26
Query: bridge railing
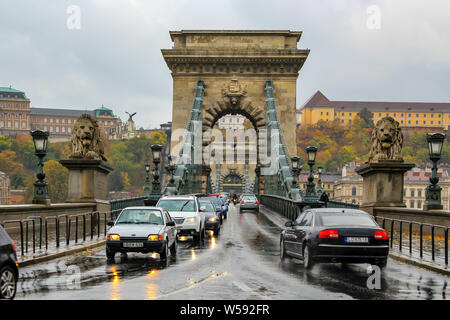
x=118 y=204
x=291 y=209
x=37 y=235
x=419 y=240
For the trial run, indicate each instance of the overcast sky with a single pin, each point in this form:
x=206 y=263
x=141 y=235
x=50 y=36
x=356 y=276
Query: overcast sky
x=114 y=58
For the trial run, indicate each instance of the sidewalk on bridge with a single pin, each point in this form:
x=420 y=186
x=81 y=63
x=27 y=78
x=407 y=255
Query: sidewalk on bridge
x=55 y=253
x=281 y=220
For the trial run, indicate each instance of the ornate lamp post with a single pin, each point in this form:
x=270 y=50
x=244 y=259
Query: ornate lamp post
x=171 y=169
x=40 y=140
x=296 y=168
x=311 y=195
x=155 y=193
x=147 y=189
x=319 y=188
x=433 y=191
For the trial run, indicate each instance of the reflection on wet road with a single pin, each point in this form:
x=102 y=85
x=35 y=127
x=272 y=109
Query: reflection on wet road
x=242 y=263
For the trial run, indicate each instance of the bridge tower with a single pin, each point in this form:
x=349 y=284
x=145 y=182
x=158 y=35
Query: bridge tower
x=234 y=66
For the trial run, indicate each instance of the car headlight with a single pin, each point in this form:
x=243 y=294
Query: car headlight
x=155 y=237
x=113 y=237
x=190 y=219
x=212 y=219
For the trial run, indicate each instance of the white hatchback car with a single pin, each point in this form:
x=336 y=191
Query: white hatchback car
x=186 y=212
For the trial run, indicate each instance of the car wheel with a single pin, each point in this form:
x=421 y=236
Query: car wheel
x=382 y=264
x=173 y=250
x=308 y=260
x=110 y=254
x=282 y=251
x=165 y=252
x=8 y=283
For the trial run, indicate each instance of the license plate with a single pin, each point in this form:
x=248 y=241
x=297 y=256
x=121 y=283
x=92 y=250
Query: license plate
x=133 y=244
x=356 y=239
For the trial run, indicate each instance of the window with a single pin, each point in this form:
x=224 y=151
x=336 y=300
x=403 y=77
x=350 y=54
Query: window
x=24 y=125
x=45 y=120
x=307 y=220
x=51 y=128
x=411 y=204
x=401 y=115
x=16 y=116
x=63 y=129
x=2 y=124
x=419 y=193
x=24 y=116
x=69 y=129
x=409 y=115
x=412 y=192
x=45 y=128
x=9 y=124
x=321 y=113
x=419 y=204
x=16 y=124
x=63 y=121
x=354 y=191
x=57 y=120
x=51 y=120
x=57 y=129
x=69 y=121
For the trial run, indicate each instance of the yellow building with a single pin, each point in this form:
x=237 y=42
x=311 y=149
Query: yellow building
x=408 y=114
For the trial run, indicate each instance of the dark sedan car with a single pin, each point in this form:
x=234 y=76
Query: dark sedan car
x=212 y=217
x=9 y=272
x=335 y=235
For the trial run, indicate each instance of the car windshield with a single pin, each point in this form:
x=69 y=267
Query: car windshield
x=214 y=200
x=246 y=198
x=346 y=220
x=140 y=216
x=208 y=205
x=177 y=205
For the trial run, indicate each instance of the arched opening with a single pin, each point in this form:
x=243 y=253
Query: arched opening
x=232 y=183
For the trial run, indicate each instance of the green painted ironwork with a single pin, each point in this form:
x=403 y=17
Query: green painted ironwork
x=187 y=176
x=282 y=182
x=118 y=204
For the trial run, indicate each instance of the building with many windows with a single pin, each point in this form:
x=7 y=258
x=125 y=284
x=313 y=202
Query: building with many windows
x=427 y=115
x=349 y=188
x=14 y=111
x=59 y=122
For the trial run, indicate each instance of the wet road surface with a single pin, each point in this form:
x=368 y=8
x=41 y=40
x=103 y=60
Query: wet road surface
x=242 y=263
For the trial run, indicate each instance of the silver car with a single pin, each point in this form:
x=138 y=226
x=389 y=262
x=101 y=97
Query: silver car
x=142 y=229
x=248 y=201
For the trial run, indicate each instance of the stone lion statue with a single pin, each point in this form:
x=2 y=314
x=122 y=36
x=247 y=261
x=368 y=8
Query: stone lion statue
x=86 y=140
x=387 y=141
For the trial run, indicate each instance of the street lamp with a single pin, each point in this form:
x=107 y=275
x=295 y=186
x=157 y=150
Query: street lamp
x=311 y=195
x=155 y=193
x=319 y=189
x=40 y=140
x=433 y=191
x=171 y=168
x=296 y=168
x=147 y=188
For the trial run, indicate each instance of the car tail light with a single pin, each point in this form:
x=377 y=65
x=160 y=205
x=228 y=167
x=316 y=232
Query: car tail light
x=329 y=234
x=256 y=202
x=381 y=234
x=242 y=202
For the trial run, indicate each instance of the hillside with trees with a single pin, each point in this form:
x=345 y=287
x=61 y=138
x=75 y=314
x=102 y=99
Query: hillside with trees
x=339 y=144
x=128 y=157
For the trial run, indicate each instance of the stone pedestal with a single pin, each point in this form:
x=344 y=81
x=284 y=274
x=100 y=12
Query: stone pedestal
x=383 y=183
x=87 y=180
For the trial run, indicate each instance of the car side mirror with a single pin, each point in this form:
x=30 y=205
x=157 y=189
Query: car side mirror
x=202 y=209
x=170 y=224
x=110 y=223
x=289 y=224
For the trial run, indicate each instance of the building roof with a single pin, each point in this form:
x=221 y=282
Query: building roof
x=319 y=100
x=59 y=112
x=9 y=90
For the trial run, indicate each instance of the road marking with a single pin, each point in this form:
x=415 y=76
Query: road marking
x=246 y=288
